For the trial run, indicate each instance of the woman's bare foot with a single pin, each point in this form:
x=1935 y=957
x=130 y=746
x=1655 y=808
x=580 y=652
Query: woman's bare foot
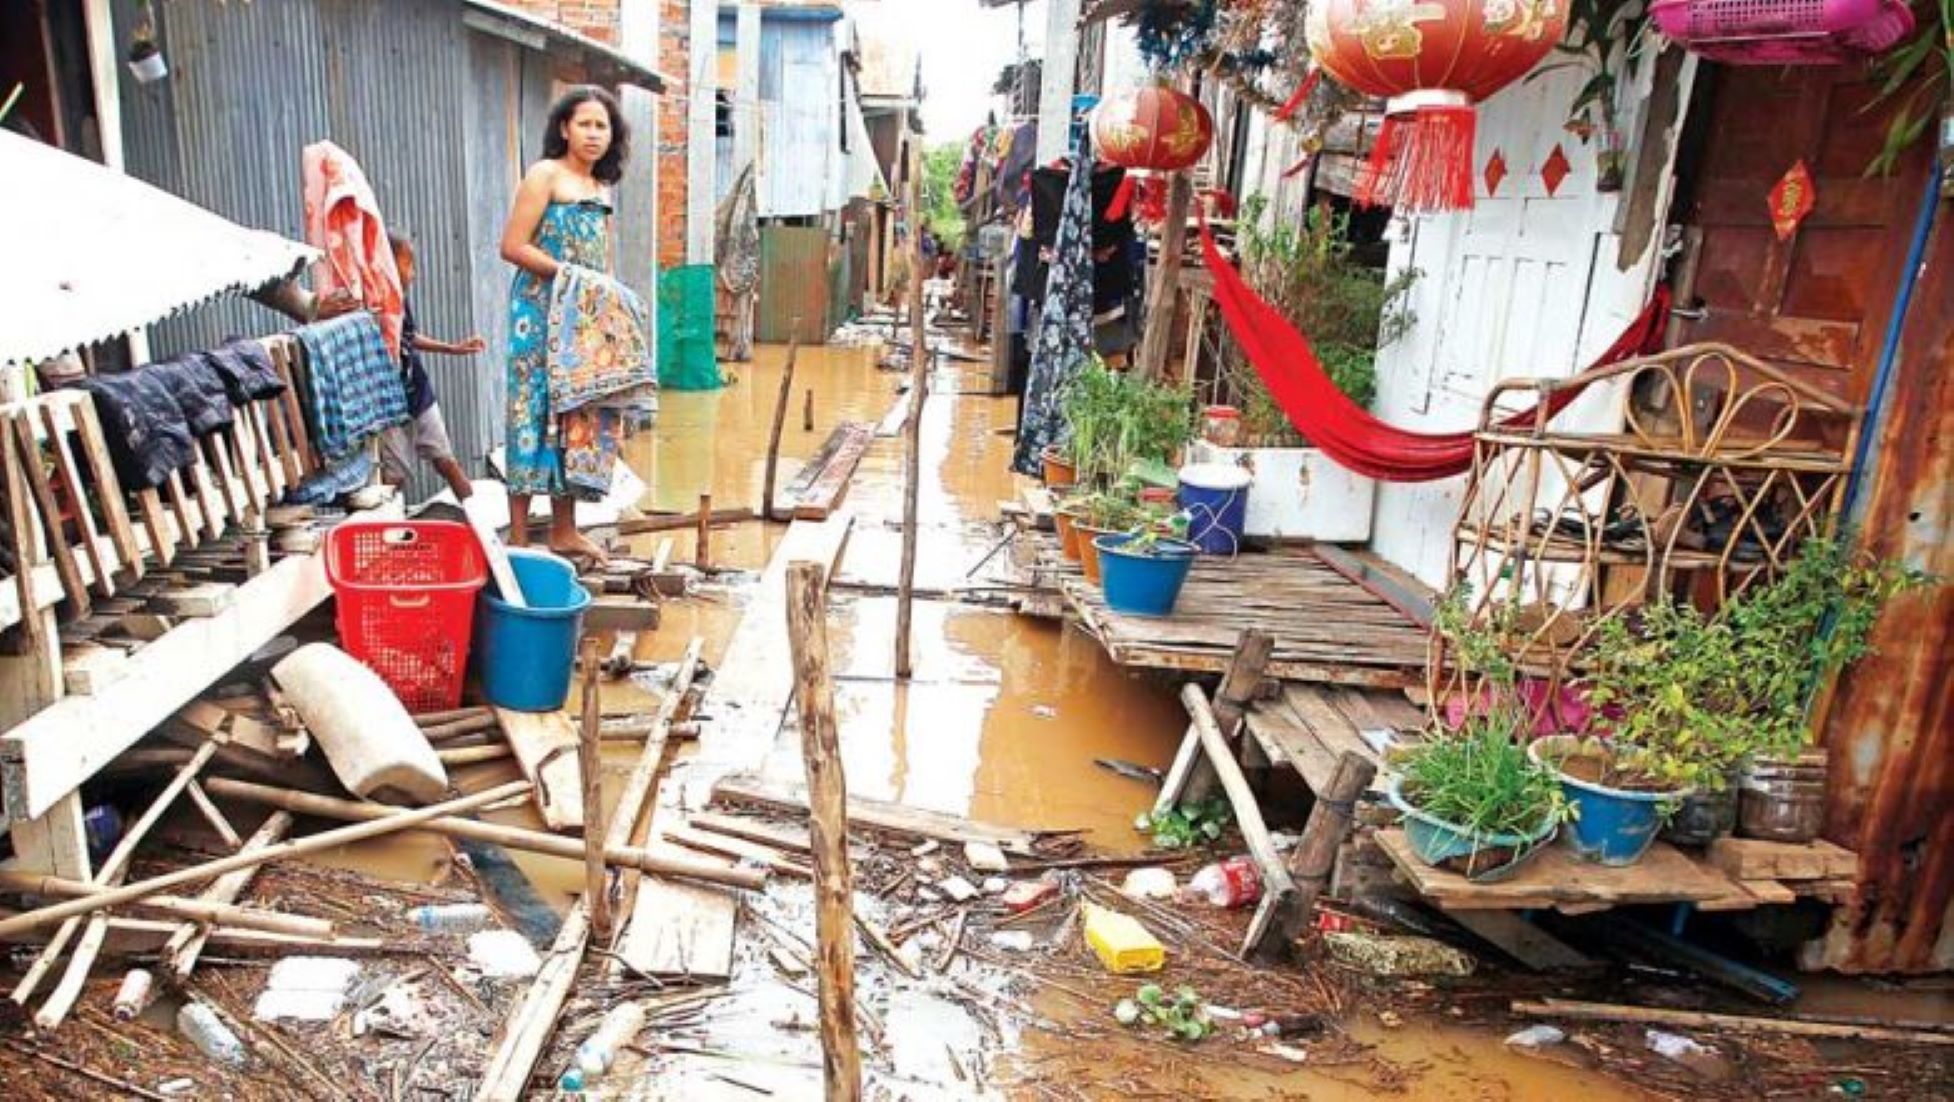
x=577 y=547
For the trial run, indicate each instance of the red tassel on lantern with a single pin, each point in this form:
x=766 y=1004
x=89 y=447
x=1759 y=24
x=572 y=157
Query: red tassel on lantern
x=1423 y=156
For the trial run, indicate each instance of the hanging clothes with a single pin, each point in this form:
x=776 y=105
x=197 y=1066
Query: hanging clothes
x=1341 y=428
x=143 y=424
x=355 y=392
x=342 y=220
x=246 y=368
x=601 y=373
x=736 y=259
x=199 y=392
x=572 y=233
x=1064 y=339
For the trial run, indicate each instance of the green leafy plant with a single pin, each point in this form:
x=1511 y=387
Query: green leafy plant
x=1481 y=779
x=1309 y=271
x=1919 y=76
x=1114 y=509
x=940 y=167
x=1688 y=697
x=1114 y=421
x=1184 y=1017
x=1600 y=34
x=1187 y=825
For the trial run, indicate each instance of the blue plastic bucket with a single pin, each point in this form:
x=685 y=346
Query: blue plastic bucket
x=1611 y=826
x=525 y=656
x=1215 y=498
x=1143 y=583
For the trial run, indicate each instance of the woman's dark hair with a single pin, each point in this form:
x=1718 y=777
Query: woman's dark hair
x=609 y=167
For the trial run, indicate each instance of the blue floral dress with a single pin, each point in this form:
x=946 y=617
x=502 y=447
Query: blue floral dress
x=572 y=233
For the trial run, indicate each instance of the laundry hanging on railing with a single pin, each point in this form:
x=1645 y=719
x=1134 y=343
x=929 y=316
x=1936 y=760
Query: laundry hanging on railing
x=1341 y=428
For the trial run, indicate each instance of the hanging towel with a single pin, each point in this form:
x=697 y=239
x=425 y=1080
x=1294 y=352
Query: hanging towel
x=342 y=220
x=143 y=424
x=355 y=390
x=1064 y=339
x=602 y=377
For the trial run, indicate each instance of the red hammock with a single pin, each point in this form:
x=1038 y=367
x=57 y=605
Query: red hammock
x=1344 y=430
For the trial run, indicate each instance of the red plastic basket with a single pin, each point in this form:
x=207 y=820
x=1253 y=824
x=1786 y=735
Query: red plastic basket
x=406 y=595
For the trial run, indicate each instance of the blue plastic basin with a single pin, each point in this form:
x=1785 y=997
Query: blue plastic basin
x=1611 y=826
x=525 y=656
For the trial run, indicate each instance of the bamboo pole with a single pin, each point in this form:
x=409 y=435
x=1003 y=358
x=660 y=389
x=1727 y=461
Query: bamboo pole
x=1276 y=887
x=705 y=532
x=590 y=767
x=216 y=819
x=637 y=787
x=88 y=898
x=912 y=425
x=807 y=634
x=518 y=838
x=113 y=869
x=97 y=900
x=474 y=755
x=780 y=417
x=1693 y=1019
x=1313 y=859
x=180 y=953
x=466 y=725
x=453 y=715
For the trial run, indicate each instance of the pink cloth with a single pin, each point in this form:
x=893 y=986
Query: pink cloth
x=1562 y=712
x=342 y=220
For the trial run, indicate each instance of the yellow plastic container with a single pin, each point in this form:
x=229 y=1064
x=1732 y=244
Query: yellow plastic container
x=1122 y=943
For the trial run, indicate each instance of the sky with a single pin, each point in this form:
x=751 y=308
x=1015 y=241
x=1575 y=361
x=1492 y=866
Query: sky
x=963 y=46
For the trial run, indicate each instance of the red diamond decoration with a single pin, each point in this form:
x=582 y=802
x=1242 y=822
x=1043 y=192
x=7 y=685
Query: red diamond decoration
x=1792 y=198
x=1554 y=171
x=1495 y=172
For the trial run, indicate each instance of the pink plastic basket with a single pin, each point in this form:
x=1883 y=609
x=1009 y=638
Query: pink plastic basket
x=1784 y=32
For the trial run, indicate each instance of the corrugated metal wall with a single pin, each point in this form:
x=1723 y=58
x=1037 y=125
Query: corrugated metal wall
x=439 y=116
x=800 y=101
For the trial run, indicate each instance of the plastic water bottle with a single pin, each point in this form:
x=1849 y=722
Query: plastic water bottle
x=596 y=1055
x=138 y=988
x=450 y=918
x=202 y=1027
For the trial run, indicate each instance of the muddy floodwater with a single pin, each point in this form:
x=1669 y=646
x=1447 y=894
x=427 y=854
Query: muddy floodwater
x=1002 y=722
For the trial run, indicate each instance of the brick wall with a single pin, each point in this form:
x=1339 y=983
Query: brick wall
x=594 y=19
x=674 y=60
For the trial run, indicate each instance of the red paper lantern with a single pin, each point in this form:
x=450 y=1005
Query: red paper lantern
x=1431 y=60
x=1154 y=127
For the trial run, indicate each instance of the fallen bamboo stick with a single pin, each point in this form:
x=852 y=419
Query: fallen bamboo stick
x=187 y=943
x=467 y=725
x=590 y=768
x=453 y=715
x=232 y=936
x=213 y=816
x=912 y=429
x=636 y=793
x=807 y=636
x=95 y=900
x=637 y=526
x=472 y=755
x=1696 y=1019
x=114 y=867
x=88 y=898
x=780 y=417
x=531 y=841
x=1277 y=889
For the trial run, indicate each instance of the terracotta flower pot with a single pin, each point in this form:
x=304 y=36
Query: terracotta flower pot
x=1059 y=471
x=1089 y=551
x=1068 y=534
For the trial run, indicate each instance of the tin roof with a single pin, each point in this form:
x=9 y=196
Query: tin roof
x=96 y=253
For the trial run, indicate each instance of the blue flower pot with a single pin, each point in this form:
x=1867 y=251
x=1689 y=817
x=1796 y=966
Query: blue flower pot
x=1147 y=582
x=1611 y=826
x=1481 y=858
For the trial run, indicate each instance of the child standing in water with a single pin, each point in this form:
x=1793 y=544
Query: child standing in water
x=426 y=434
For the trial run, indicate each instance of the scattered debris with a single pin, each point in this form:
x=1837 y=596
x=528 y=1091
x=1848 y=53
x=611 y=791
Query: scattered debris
x=306 y=989
x=201 y=1026
x=1387 y=955
x=1536 y=1036
x=957 y=888
x=1122 y=943
x=1150 y=883
x=503 y=954
x=985 y=857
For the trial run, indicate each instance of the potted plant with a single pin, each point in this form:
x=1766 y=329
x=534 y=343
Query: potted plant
x=1114 y=422
x=1107 y=513
x=1065 y=520
x=1474 y=802
x=146 y=62
x=1309 y=270
x=1143 y=571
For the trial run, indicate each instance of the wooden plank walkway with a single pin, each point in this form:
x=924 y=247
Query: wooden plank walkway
x=1326 y=627
x=1307 y=727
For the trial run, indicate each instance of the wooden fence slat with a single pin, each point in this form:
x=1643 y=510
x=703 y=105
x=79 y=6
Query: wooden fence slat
x=68 y=476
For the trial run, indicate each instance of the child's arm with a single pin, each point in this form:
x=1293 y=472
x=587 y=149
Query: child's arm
x=469 y=347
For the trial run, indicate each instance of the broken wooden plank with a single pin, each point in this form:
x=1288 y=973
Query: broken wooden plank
x=1757 y=859
x=673 y=522
x=909 y=822
x=1525 y=941
x=825 y=491
x=545 y=745
x=1557 y=878
x=202 y=599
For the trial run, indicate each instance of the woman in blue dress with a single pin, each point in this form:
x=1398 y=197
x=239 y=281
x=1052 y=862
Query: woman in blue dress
x=561 y=216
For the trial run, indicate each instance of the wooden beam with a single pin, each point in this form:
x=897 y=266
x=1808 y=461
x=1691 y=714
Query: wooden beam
x=807 y=634
x=1692 y=1019
x=1276 y=884
x=42 y=491
x=590 y=769
x=52 y=752
x=912 y=427
x=101 y=471
x=637 y=526
x=1163 y=299
x=637 y=789
x=1281 y=919
x=767 y=504
x=187 y=943
x=1191 y=777
x=545 y=744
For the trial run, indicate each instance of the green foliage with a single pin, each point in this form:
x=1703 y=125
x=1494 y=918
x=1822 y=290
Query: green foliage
x=1920 y=76
x=1346 y=310
x=1114 y=421
x=1481 y=779
x=1481 y=642
x=1184 y=1017
x=940 y=166
x=1599 y=33
x=1117 y=509
x=1188 y=825
x=1688 y=697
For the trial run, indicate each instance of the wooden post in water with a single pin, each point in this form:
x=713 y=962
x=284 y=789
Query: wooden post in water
x=590 y=766
x=1166 y=292
x=827 y=797
x=704 y=548
x=913 y=423
x=807 y=410
x=1315 y=855
x=780 y=417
